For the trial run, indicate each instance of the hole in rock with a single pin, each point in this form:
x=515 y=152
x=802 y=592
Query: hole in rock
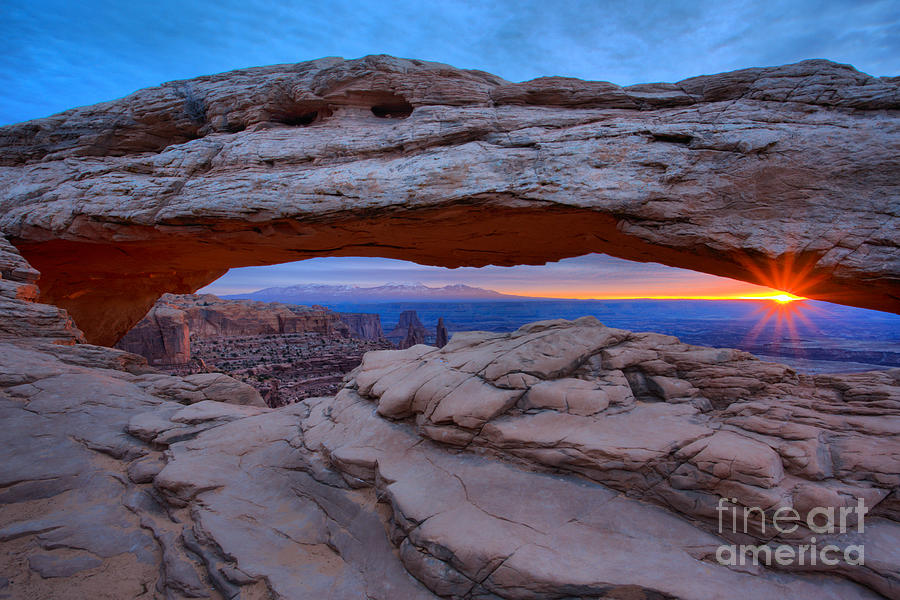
x=342 y=307
x=302 y=116
x=300 y=120
x=235 y=127
x=393 y=110
x=672 y=138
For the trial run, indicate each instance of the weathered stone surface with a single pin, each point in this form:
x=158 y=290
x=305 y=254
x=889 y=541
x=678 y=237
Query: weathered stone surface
x=468 y=526
x=249 y=489
x=785 y=176
x=682 y=426
x=48 y=565
x=245 y=499
x=163 y=337
x=199 y=388
x=20 y=315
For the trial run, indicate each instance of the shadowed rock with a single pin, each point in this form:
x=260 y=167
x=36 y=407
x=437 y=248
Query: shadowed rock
x=440 y=334
x=365 y=326
x=409 y=330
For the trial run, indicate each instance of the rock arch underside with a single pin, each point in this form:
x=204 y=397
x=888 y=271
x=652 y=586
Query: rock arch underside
x=783 y=176
x=566 y=459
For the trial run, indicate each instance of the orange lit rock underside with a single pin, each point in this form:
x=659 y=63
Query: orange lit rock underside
x=785 y=177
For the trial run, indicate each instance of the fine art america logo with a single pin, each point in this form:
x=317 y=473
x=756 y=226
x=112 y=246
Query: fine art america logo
x=825 y=521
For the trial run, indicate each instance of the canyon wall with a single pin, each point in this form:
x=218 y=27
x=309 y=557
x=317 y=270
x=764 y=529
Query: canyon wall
x=365 y=326
x=163 y=335
x=783 y=176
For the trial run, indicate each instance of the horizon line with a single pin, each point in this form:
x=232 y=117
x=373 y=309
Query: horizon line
x=781 y=297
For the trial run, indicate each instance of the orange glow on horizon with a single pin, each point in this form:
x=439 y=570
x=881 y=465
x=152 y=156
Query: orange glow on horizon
x=791 y=272
x=775 y=295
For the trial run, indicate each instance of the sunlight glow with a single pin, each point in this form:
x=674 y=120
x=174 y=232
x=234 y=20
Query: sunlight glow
x=776 y=296
x=781 y=298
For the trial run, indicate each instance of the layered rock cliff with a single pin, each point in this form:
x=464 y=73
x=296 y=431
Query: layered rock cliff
x=163 y=335
x=365 y=326
x=785 y=176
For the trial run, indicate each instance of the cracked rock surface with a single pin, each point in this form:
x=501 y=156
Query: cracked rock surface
x=677 y=425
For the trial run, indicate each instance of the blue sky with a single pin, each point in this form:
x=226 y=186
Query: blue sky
x=56 y=55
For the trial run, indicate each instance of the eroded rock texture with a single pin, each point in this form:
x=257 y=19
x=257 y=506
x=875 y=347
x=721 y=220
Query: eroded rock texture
x=489 y=469
x=785 y=176
x=679 y=425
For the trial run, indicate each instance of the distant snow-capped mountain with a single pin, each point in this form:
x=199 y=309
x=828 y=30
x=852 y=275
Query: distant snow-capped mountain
x=318 y=293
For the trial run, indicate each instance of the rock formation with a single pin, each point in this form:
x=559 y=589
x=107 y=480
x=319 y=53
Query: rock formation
x=21 y=317
x=566 y=459
x=120 y=482
x=365 y=326
x=440 y=334
x=272 y=396
x=785 y=176
x=682 y=426
x=413 y=337
x=163 y=335
x=407 y=322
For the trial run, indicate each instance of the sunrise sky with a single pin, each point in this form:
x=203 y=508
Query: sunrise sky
x=61 y=54
x=591 y=276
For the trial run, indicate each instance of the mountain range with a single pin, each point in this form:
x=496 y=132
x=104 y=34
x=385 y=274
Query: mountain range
x=316 y=293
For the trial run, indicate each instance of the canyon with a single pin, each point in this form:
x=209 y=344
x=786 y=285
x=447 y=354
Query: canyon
x=287 y=352
x=565 y=459
x=163 y=335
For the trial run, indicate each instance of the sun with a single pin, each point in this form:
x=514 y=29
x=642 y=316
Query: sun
x=779 y=297
x=784 y=298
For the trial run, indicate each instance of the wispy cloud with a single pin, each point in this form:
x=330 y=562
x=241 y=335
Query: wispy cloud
x=60 y=54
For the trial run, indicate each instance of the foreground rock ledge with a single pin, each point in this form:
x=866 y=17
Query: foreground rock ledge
x=784 y=176
x=490 y=469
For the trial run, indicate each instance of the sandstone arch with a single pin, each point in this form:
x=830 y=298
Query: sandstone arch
x=784 y=176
